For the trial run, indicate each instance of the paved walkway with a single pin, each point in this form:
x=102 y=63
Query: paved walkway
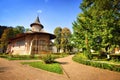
x=76 y=71
x=13 y=70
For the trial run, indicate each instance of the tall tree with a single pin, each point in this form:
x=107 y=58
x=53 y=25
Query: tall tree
x=57 y=41
x=2 y=28
x=65 y=39
x=98 y=25
x=83 y=34
x=7 y=34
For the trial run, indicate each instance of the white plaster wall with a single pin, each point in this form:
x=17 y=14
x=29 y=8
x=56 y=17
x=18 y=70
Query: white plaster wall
x=19 y=50
x=36 y=28
x=54 y=49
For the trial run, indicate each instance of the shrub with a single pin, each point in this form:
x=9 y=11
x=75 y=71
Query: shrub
x=95 y=55
x=115 y=57
x=102 y=54
x=3 y=56
x=48 y=59
x=103 y=65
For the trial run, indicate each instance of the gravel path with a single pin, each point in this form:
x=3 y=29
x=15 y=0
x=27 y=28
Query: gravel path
x=76 y=71
x=13 y=70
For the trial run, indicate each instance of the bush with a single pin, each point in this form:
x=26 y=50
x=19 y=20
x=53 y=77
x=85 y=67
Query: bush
x=48 y=59
x=103 y=65
x=102 y=55
x=3 y=56
x=115 y=57
x=95 y=55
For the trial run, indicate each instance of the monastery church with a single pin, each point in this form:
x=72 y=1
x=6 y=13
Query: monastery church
x=35 y=41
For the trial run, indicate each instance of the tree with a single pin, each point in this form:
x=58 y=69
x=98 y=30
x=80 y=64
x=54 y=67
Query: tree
x=18 y=29
x=2 y=28
x=7 y=34
x=65 y=39
x=57 y=41
x=62 y=40
x=83 y=34
x=27 y=29
x=98 y=25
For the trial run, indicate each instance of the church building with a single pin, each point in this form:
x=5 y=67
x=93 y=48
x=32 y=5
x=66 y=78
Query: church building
x=35 y=41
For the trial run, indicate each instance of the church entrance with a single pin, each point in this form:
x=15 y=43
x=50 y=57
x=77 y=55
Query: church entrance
x=38 y=46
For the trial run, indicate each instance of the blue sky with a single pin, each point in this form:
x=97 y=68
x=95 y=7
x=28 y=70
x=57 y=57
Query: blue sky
x=52 y=13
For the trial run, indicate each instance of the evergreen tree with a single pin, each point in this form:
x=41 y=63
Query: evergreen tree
x=98 y=25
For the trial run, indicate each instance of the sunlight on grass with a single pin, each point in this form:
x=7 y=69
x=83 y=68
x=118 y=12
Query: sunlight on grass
x=54 y=67
x=29 y=57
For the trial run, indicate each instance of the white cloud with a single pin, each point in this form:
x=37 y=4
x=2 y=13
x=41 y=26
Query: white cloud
x=39 y=11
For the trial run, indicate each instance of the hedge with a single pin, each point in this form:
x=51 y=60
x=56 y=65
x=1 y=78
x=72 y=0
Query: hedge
x=98 y=64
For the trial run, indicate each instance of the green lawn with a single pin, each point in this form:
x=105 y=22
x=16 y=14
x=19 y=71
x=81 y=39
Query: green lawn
x=29 y=57
x=54 y=67
x=19 y=57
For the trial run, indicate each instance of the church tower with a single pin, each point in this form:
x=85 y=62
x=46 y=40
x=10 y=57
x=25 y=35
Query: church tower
x=36 y=26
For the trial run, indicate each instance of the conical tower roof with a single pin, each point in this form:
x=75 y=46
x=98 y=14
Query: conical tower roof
x=37 y=22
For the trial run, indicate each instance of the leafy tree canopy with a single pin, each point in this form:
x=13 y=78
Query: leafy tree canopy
x=62 y=40
x=57 y=41
x=98 y=25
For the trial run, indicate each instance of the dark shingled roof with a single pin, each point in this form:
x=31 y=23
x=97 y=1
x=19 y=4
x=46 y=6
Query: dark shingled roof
x=52 y=36
x=36 y=22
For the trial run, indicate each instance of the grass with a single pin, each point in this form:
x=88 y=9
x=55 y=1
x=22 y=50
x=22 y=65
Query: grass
x=19 y=57
x=29 y=57
x=54 y=67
